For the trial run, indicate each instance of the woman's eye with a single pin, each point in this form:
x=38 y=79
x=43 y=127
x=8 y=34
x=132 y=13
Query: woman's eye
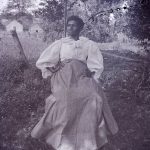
x=68 y=26
x=71 y=25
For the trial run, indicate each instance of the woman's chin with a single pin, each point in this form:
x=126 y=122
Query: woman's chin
x=72 y=34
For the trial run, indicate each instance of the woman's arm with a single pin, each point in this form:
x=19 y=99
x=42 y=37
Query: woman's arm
x=49 y=59
x=95 y=60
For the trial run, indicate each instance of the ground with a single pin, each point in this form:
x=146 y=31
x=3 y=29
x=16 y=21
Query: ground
x=22 y=94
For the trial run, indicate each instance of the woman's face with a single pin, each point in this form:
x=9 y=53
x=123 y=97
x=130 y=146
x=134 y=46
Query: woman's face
x=73 y=28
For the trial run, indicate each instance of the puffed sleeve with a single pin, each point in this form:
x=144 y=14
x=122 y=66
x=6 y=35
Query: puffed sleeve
x=49 y=58
x=95 y=60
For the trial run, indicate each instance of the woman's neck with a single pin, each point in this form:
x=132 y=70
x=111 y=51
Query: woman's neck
x=75 y=37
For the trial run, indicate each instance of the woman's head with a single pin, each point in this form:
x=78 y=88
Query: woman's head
x=74 y=25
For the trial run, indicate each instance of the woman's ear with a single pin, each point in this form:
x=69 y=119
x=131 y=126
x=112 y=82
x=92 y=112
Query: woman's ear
x=81 y=31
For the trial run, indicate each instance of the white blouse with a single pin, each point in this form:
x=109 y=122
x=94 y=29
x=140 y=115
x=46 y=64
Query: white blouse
x=67 y=48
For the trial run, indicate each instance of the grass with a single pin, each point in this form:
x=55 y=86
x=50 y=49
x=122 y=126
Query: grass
x=33 y=46
x=21 y=102
x=23 y=91
x=22 y=105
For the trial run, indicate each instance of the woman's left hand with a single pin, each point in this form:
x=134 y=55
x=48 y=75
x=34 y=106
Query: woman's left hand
x=96 y=79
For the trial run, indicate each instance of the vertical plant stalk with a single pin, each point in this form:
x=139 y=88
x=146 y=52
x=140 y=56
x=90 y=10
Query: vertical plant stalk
x=65 y=17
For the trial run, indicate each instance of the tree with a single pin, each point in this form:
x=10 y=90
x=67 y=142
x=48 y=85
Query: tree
x=139 y=20
x=134 y=22
x=15 y=6
x=99 y=29
x=50 y=10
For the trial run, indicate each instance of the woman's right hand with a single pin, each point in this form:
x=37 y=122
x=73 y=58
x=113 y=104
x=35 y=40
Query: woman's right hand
x=55 y=68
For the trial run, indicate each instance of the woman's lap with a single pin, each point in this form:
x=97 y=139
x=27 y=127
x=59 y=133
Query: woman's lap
x=75 y=110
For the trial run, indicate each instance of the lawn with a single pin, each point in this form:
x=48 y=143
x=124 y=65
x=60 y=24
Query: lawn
x=23 y=93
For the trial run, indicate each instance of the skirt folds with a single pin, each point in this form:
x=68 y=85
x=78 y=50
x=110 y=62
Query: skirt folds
x=77 y=115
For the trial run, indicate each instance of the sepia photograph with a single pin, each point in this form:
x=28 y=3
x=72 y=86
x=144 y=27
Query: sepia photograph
x=74 y=74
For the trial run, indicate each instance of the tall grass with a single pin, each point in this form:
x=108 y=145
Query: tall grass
x=21 y=102
x=23 y=93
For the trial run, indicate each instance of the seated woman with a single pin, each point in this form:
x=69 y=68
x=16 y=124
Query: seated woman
x=77 y=115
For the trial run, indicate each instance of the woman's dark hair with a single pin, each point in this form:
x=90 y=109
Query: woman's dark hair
x=77 y=19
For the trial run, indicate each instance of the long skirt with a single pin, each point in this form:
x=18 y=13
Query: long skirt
x=77 y=115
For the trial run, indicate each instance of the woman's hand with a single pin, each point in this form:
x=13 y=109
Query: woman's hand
x=53 y=69
x=95 y=78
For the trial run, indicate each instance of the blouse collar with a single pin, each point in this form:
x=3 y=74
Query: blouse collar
x=70 y=40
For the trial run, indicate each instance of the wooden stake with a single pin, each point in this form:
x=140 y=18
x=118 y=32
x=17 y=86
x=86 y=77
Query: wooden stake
x=18 y=43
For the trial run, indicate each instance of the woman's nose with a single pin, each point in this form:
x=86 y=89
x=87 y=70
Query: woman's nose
x=70 y=27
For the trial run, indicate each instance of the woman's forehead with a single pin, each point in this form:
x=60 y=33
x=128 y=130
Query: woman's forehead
x=72 y=22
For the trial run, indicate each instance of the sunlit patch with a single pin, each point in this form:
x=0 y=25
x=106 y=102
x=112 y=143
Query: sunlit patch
x=65 y=146
x=102 y=123
x=112 y=19
x=102 y=129
x=35 y=5
x=87 y=145
x=125 y=7
x=93 y=104
x=3 y=5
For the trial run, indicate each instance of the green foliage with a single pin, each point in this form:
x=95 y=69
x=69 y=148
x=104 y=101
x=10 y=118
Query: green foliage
x=138 y=19
x=53 y=30
x=51 y=10
x=18 y=6
x=100 y=29
x=134 y=23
